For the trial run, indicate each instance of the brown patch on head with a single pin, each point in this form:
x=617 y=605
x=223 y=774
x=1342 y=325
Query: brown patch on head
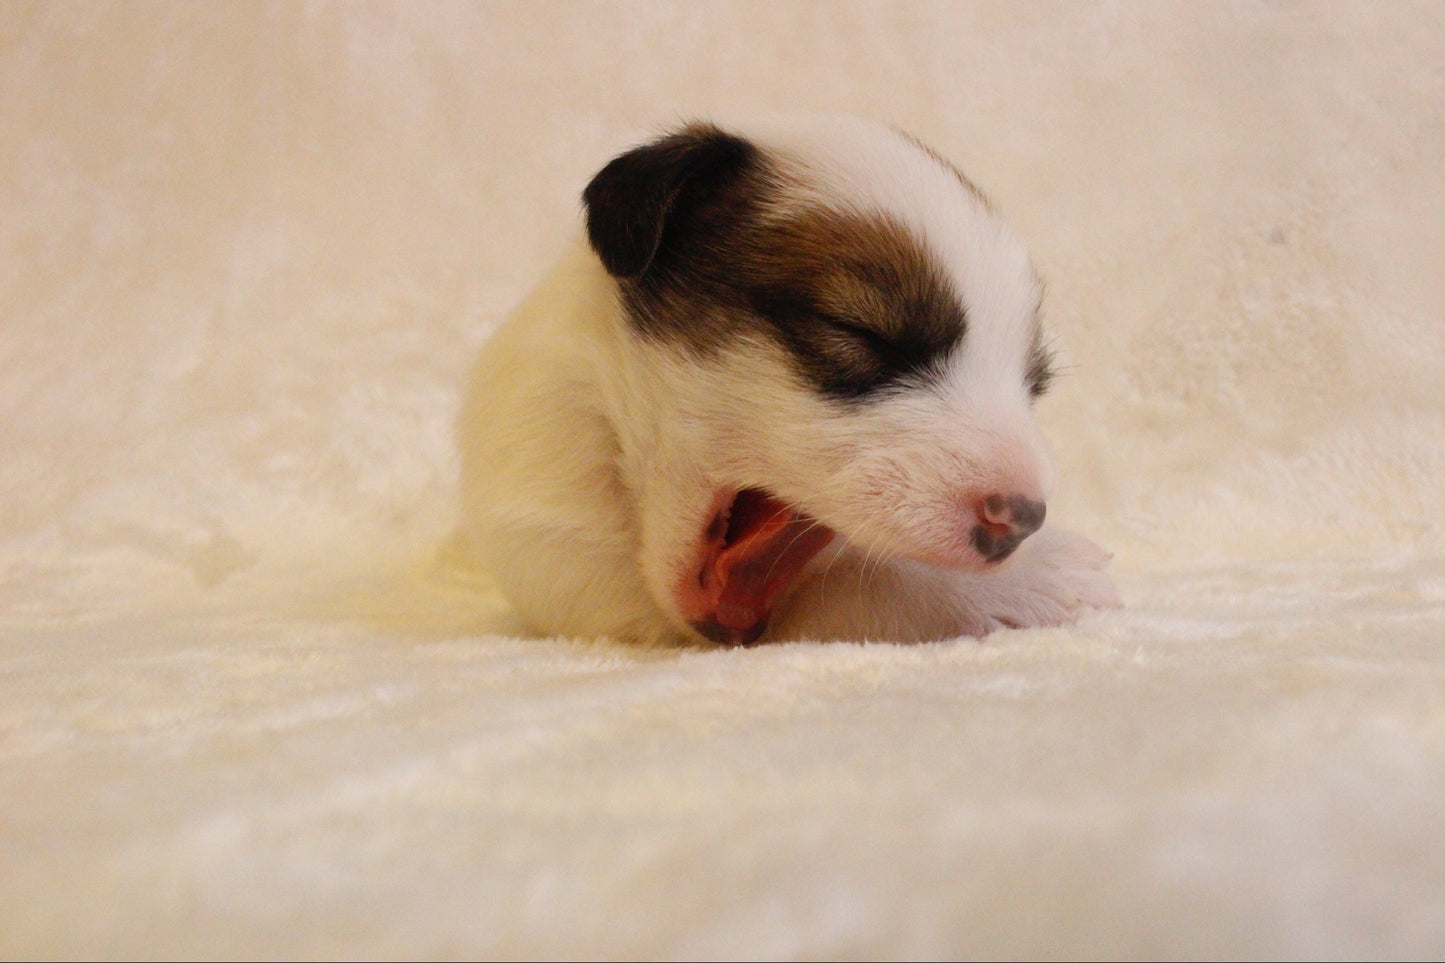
x=855 y=298
x=705 y=250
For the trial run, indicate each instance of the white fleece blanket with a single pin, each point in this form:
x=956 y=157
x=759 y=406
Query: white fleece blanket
x=250 y=707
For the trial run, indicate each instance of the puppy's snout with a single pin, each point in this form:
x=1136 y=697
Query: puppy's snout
x=1003 y=522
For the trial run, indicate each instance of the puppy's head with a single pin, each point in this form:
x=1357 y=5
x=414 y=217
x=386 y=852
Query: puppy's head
x=843 y=342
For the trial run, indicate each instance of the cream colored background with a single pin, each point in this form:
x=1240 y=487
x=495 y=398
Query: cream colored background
x=247 y=252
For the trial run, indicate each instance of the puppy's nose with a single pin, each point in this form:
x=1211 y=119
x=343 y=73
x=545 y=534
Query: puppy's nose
x=1003 y=522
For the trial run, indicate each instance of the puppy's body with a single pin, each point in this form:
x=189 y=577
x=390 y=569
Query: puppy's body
x=785 y=393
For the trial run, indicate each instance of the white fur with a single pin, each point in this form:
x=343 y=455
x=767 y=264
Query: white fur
x=592 y=458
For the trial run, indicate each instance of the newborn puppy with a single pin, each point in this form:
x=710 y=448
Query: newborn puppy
x=785 y=392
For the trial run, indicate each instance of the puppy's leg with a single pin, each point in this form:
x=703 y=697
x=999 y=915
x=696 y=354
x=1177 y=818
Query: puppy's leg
x=1050 y=580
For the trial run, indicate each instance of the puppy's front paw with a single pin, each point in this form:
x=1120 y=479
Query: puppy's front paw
x=1052 y=579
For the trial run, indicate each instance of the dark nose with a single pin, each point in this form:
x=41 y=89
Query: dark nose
x=1003 y=522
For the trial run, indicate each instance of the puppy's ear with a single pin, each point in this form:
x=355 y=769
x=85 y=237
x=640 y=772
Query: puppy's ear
x=641 y=198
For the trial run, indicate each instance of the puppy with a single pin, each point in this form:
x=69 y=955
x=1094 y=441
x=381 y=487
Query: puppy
x=784 y=391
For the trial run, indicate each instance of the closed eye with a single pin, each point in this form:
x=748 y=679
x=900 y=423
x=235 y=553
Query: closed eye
x=869 y=338
x=908 y=355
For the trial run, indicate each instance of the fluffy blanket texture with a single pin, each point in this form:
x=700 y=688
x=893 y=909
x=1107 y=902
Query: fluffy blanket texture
x=249 y=706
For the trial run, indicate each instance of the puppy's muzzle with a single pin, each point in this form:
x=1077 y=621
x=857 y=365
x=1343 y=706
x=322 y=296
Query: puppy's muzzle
x=1003 y=522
